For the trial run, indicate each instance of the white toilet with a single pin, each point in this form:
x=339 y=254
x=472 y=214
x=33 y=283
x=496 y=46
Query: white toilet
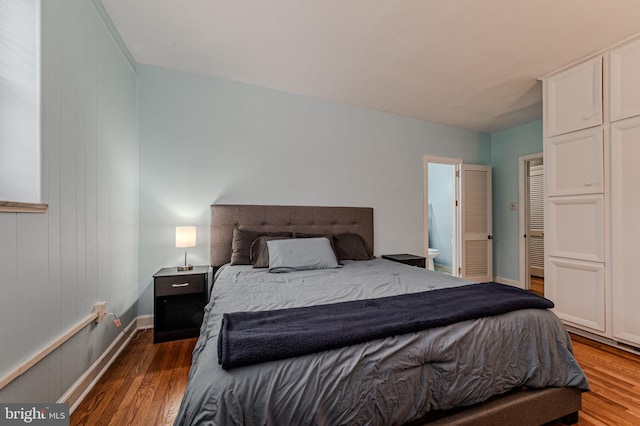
x=433 y=253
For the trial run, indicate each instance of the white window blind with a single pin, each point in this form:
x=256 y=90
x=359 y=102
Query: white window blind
x=20 y=165
x=536 y=220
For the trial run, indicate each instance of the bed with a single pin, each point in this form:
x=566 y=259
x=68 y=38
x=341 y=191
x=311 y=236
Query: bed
x=512 y=368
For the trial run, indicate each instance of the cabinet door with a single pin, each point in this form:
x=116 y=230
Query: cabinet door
x=577 y=290
x=573 y=98
x=575 y=163
x=576 y=227
x=624 y=81
x=625 y=212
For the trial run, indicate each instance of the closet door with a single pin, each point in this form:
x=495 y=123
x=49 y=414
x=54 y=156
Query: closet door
x=579 y=298
x=625 y=212
x=575 y=163
x=573 y=98
x=575 y=212
x=576 y=227
x=625 y=81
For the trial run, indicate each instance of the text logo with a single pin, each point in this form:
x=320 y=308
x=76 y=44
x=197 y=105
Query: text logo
x=34 y=414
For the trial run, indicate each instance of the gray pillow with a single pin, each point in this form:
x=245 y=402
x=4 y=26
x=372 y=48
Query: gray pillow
x=301 y=254
x=327 y=236
x=350 y=247
x=241 y=244
x=259 y=252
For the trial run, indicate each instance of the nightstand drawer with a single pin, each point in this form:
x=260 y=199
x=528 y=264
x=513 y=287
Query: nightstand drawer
x=179 y=284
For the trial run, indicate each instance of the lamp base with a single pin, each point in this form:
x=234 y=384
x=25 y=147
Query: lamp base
x=185 y=268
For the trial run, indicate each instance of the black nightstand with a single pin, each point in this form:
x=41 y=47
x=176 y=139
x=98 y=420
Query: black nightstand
x=179 y=301
x=407 y=259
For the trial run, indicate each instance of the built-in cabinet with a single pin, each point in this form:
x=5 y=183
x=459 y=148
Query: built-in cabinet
x=573 y=98
x=592 y=206
x=625 y=228
x=624 y=84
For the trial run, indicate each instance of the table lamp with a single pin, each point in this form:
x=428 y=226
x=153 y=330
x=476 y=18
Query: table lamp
x=185 y=238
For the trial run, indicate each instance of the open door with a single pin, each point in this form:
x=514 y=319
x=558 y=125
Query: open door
x=535 y=222
x=476 y=223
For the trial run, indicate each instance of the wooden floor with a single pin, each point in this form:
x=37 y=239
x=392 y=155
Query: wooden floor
x=614 y=378
x=537 y=285
x=145 y=384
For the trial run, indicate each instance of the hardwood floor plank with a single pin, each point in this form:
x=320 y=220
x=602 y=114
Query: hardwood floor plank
x=537 y=285
x=144 y=386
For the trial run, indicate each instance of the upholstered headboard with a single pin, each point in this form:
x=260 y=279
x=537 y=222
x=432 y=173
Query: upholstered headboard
x=306 y=219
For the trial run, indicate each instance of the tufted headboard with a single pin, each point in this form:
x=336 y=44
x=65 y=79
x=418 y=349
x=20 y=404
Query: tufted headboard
x=306 y=219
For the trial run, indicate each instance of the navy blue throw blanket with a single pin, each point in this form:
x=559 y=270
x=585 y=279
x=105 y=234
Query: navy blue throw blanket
x=254 y=337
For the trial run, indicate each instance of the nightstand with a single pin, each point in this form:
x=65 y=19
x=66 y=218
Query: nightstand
x=179 y=301
x=407 y=259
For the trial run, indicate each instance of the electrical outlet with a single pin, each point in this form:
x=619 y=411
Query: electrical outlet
x=101 y=309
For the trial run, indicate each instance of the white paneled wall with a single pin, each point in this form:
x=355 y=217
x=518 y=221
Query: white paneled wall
x=55 y=266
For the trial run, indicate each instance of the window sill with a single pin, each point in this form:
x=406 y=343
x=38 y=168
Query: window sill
x=14 y=207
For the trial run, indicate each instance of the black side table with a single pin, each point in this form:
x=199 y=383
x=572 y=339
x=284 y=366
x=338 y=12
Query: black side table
x=179 y=301
x=407 y=259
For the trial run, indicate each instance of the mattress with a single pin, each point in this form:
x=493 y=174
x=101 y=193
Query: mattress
x=387 y=381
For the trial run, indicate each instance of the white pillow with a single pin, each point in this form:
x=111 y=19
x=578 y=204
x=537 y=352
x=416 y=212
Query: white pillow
x=301 y=254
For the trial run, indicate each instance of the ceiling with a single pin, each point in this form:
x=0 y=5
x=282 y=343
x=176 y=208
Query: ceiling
x=465 y=63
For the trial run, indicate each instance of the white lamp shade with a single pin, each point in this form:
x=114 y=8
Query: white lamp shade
x=185 y=236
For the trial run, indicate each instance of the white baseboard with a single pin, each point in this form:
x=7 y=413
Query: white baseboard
x=507 y=281
x=144 y=322
x=439 y=267
x=603 y=340
x=79 y=390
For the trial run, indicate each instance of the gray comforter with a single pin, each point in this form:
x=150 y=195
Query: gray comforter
x=386 y=381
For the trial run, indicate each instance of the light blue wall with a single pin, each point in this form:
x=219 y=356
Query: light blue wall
x=205 y=140
x=202 y=140
x=506 y=148
x=441 y=211
x=55 y=266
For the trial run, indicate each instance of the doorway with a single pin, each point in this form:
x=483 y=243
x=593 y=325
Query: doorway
x=532 y=223
x=441 y=221
x=469 y=204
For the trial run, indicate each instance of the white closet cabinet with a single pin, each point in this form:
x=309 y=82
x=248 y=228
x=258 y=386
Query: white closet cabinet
x=592 y=207
x=625 y=229
x=624 y=84
x=575 y=163
x=575 y=196
x=576 y=227
x=573 y=98
x=580 y=298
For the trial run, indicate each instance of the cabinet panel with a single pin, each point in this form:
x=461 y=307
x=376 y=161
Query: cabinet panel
x=576 y=227
x=577 y=290
x=625 y=212
x=624 y=83
x=573 y=98
x=575 y=163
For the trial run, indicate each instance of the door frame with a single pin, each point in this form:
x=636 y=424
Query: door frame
x=457 y=163
x=523 y=214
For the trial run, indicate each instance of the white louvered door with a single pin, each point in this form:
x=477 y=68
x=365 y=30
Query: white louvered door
x=535 y=233
x=476 y=223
